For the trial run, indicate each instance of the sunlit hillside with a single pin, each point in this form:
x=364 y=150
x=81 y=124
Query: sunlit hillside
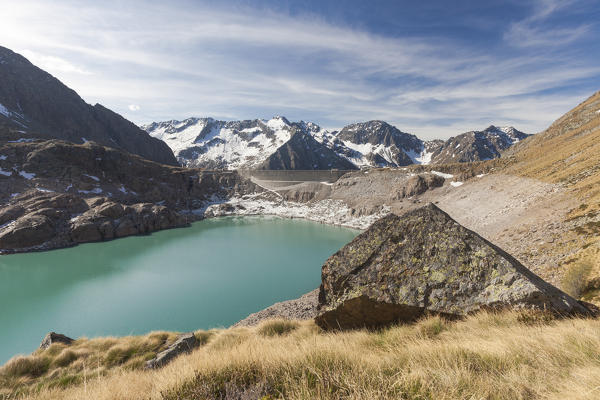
x=568 y=152
x=509 y=355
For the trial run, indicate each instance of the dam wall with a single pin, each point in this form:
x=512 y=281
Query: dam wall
x=295 y=175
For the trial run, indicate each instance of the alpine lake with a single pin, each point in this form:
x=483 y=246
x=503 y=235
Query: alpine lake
x=209 y=275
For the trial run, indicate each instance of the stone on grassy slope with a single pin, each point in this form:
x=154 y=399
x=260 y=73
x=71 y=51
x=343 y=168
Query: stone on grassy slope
x=53 y=337
x=424 y=261
x=184 y=344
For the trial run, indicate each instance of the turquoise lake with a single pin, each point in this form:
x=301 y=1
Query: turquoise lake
x=211 y=274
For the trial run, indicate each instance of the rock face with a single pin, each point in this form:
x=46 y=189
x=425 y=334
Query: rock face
x=55 y=194
x=424 y=261
x=42 y=220
x=54 y=337
x=39 y=105
x=377 y=143
x=475 y=145
x=304 y=307
x=419 y=184
x=184 y=344
x=303 y=152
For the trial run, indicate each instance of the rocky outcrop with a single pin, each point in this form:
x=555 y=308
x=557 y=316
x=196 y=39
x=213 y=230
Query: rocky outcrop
x=304 y=307
x=184 y=344
x=380 y=144
x=55 y=194
x=53 y=337
x=425 y=262
x=40 y=105
x=475 y=145
x=303 y=152
x=40 y=220
x=419 y=184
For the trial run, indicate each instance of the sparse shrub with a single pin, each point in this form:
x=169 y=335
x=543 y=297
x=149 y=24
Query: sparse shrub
x=535 y=317
x=203 y=336
x=277 y=327
x=230 y=339
x=54 y=349
x=118 y=355
x=66 y=357
x=33 y=366
x=66 y=380
x=431 y=327
x=575 y=279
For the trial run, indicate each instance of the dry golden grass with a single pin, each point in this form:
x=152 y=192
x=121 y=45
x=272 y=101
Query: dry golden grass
x=567 y=152
x=507 y=355
x=63 y=366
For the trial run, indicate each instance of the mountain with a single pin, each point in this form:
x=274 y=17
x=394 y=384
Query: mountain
x=475 y=145
x=377 y=143
x=209 y=143
x=302 y=151
x=36 y=104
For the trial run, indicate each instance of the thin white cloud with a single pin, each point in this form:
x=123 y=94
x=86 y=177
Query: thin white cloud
x=205 y=62
x=531 y=32
x=52 y=64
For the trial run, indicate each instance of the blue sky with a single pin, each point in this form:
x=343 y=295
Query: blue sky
x=433 y=68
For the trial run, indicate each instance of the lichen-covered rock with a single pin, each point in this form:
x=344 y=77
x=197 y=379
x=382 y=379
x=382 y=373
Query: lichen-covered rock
x=53 y=337
x=424 y=261
x=184 y=344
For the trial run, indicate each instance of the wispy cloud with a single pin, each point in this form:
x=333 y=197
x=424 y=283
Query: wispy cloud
x=182 y=61
x=532 y=32
x=53 y=64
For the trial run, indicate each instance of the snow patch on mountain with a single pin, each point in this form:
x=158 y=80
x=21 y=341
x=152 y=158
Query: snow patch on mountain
x=4 y=111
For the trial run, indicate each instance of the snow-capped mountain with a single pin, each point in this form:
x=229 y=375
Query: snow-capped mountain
x=377 y=143
x=34 y=104
x=209 y=143
x=302 y=151
x=280 y=144
x=475 y=145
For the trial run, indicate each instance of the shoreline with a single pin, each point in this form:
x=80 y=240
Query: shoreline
x=328 y=212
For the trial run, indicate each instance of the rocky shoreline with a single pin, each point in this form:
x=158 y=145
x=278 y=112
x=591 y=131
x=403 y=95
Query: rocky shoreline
x=330 y=212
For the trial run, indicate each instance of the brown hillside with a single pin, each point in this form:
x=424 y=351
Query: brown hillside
x=568 y=153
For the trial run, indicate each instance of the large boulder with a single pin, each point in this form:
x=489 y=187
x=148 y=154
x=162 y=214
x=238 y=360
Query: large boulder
x=425 y=262
x=419 y=184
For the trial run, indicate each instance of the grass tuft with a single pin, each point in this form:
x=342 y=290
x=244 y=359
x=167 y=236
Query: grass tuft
x=277 y=327
x=576 y=278
x=19 y=366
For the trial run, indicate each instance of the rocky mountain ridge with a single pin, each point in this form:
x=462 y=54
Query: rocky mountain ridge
x=37 y=105
x=55 y=194
x=250 y=144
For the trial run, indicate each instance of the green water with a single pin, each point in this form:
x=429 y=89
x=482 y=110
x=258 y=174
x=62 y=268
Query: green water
x=209 y=275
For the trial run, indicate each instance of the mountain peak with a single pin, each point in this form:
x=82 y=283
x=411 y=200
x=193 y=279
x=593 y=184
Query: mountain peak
x=35 y=101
